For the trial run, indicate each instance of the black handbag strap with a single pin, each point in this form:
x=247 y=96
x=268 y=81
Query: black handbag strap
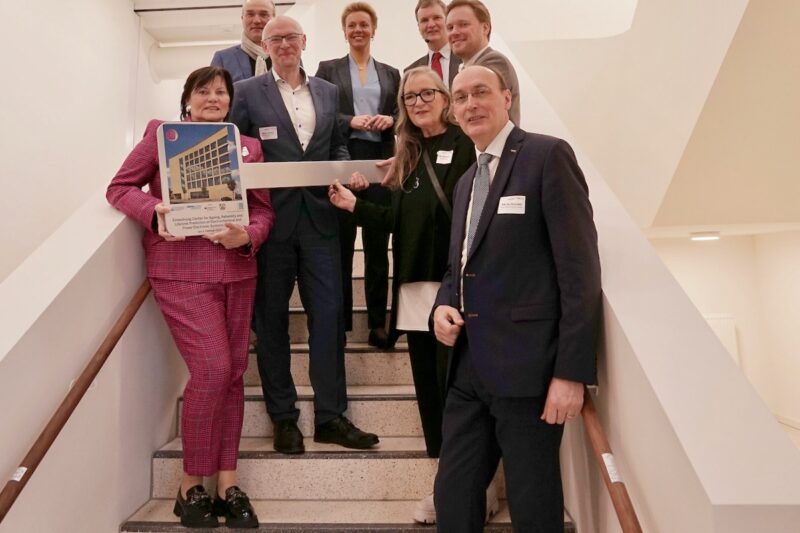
x=436 y=186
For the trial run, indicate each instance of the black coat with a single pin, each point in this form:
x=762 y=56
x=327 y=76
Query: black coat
x=426 y=258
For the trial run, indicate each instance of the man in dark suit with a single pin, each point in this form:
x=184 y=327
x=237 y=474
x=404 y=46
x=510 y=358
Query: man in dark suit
x=249 y=58
x=469 y=27
x=294 y=115
x=430 y=15
x=520 y=305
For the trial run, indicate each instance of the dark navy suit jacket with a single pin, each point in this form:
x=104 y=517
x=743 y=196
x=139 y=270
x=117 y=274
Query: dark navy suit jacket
x=532 y=281
x=257 y=103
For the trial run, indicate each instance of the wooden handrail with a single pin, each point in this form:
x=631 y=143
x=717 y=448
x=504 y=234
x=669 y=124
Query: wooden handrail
x=605 y=460
x=48 y=435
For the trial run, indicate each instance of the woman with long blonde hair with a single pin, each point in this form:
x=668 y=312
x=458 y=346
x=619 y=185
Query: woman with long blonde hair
x=431 y=155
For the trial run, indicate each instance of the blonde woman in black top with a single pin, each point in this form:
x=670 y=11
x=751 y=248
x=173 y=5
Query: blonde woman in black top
x=419 y=220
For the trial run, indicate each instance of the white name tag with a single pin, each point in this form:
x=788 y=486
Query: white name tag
x=444 y=157
x=268 y=133
x=245 y=151
x=511 y=205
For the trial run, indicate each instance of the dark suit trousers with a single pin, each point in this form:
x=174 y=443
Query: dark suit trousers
x=313 y=260
x=376 y=247
x=480 y=428
x=429 y=367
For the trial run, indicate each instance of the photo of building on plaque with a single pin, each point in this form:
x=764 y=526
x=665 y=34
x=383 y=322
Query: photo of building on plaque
x=202 y=163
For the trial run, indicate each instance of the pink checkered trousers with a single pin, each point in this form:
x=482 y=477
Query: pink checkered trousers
x=206 y=295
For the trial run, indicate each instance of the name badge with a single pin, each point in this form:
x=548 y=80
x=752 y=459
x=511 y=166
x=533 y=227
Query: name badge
x=245 y=151
x=511 y=205
x=444 y=157
x=268 y=133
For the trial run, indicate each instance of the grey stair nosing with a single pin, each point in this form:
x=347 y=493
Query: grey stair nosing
x=356 y=309
x=167 y=527
x=350 y=397
x=310 y=455
x=397 y=348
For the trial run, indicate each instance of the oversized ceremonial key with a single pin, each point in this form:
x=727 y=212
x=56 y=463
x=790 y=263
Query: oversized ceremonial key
x=306 y=173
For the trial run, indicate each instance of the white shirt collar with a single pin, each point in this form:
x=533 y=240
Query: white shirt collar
x=444 y=50
x=304 y=77
x=495 y=148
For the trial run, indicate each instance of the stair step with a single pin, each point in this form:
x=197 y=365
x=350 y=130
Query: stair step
x=298 y=332
x=359 y=297
x=364 y=366
x=397 y=469
x=314 y=516
x=387 y=410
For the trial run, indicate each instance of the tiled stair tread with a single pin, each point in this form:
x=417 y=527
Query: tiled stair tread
x=311 y=516
x=355 y=347
x=354 y=392
x=261 y=448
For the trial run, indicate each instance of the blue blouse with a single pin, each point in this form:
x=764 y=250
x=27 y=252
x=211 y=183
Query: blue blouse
x=366 y=98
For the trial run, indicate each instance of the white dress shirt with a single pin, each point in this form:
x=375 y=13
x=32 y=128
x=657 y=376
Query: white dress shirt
x=300 y=106
x=445 y=62
x=495 y=148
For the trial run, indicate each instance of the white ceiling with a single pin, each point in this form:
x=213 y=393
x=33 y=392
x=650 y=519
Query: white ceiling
x=176 y=22
x=742 y=163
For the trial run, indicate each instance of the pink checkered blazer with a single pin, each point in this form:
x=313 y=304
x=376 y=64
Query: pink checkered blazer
x=194 y=259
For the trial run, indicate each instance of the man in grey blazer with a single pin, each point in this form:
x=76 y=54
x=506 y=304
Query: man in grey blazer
x=248 y=58
x=469 y=27
x=294 y=115
x=520 y=304
x=430 y=15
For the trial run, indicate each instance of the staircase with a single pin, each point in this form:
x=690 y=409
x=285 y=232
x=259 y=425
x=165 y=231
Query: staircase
x=329 y=488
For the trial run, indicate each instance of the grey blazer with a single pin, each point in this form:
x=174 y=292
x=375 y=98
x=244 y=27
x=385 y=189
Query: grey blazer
x=235 y=61
x=257 y=104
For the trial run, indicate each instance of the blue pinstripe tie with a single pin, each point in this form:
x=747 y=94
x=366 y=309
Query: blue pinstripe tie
x=480 y=189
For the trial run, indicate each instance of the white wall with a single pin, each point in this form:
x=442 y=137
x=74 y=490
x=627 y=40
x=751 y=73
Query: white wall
x=721 y=277
x=67 y=116
x=98 y=470
x=70 y=263
x=754 y=279
x=777 y=264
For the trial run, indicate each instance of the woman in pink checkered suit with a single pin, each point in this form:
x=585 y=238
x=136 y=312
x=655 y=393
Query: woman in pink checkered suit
x=205 y=287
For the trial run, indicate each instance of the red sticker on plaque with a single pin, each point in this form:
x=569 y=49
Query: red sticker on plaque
x=172 y=135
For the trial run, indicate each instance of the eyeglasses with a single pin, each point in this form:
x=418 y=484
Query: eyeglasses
x=426 y=95
x=480 y=93
x=290 y=38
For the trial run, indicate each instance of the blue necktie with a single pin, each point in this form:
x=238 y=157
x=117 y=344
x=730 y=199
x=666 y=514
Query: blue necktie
x=480 y=189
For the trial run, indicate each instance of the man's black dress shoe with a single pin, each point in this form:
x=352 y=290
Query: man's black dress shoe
x=341 y=431
x=196 y=510
x=380 y=339
x=235 y=508
x=287 y=437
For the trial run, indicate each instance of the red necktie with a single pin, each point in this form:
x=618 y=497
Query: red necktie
x=436 y=64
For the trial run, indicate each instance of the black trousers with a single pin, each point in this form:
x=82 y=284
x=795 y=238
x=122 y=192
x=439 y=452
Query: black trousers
x=376 y=247
x=478 y=429
x=429 y=368
x=313 y=260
